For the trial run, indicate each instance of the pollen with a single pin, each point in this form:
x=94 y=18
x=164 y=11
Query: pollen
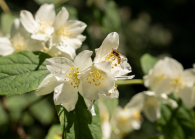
x=95 y=77
x=18 y=43
x=177 y=84
x=44 y=24
x=65 y=31
x=72 y=76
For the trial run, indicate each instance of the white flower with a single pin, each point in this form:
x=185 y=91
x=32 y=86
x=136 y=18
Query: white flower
x=126 y=120
x=105 y=122
x=97 y=79
x=67 y=34
x=64 y=80
x=149 y=103
x=20 y=40
x=41 y=26
x=108 y=52
x=169 y=76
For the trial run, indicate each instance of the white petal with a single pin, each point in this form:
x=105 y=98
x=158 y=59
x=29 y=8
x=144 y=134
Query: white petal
x=186 y=96
x=46 y=11
x=172 y=67
x=81 y=37
x=34 y=45
x=106 y=130
x=104 y=66
x=152 y=112
x=67 y=51
x=15 y=27
x=163 y=87
x=189 y=77
x=124 y=77
x=83 y=60
x=47 y=85
x=136 y=101
x=40 y=36
x=28 y=21
x=61 y=19
x=5 y=46
x=109 y=43
x=64 y=92
x=70 y=105
x=59 y=66
x=72 y=42
x=136 y=124
x=76 y=27
x=164 y=99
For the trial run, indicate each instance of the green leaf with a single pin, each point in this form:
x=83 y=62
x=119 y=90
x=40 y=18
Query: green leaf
x=22 y=72
x=177 y=123
x=147 y=62
x=6 y=22
x=156 y=137
x=111 y=20
x=54 y=132
x=79 y=123
x=110 y=104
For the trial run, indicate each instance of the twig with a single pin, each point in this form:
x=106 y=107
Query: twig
x=19 y=126
x=4 y=6
x=125 y=82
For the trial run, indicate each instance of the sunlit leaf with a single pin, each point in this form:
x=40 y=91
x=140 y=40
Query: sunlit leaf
x=79 y=123
x=147 y=62
x=54 y=132
x=110 y=105
x=111 y=20
x=22 y=72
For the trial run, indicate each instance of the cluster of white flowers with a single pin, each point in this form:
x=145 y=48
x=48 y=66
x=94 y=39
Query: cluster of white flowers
x=166 y=77
x=47 y=32
x=91 y=79
x=122 y=122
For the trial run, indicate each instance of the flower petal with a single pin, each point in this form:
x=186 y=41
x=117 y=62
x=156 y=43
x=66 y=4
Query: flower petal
x=28 y=21
x=70 y=105
x=186 y=96
x=83 y=60
x=34 y=45
x=189 y=77
x=164 y=99
x=136 y=102
x=5 y=46
x=104 y=66
x=59 y=66
x=47 y=85
x=76 y=27
x=46 y=11
x=172 y=67
x=61 y=19
x=64 y=92
x=109 y=43
x=67 y=51
x=152 y=112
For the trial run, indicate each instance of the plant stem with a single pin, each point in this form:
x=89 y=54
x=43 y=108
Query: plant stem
x=59 y=2
x=126 y=82
x=4 y=6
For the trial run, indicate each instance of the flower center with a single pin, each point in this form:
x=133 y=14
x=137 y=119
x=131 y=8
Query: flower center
x=95 y=77
x=44 y=24
x=123 y=119
x=65 y=31
x=177 y=84
x=72 y=77
x=151 y=102
x=18 y=44
x=137 y=115
x=160 y=78
x=111 y=57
